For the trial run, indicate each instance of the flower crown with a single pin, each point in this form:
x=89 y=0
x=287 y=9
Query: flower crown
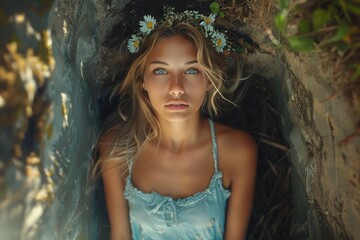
x=201 y=22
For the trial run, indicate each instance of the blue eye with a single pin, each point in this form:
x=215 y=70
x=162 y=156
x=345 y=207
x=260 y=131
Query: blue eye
x=192 y=71
x=160 y=71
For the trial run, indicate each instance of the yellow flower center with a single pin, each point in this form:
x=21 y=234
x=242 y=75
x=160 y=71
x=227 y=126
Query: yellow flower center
x=207 y=20
x=136 y=44
x=219 y=42
x=150 y=25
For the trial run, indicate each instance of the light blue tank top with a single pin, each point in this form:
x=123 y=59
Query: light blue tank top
x=200 y=216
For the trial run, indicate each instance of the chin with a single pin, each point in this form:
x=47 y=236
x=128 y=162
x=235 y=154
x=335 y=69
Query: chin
x=177 y=117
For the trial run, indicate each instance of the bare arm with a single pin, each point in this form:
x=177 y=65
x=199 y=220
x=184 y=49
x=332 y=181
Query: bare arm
x=243 y=158
x=117 y=206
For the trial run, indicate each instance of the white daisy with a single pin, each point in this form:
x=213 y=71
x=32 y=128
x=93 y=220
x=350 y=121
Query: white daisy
x=207 y=22
x=219 y=41
x=134 y=43
x=148 y=25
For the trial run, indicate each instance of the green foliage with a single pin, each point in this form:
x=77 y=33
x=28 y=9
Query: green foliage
x=301 y=43
x=215 y=8
x=304 y=26
x=342 y=30
x=320 y=17
x=283 y=4
x=322 y=24
x=280 y=22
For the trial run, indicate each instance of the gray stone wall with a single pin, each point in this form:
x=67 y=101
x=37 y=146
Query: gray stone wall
x=325 y=159
x=320 y=119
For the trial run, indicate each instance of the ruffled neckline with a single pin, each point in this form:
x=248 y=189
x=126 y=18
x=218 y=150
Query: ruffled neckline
x=154 y=196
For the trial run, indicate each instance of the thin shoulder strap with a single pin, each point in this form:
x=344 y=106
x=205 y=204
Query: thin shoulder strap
x=131 y=162
x=214 y=144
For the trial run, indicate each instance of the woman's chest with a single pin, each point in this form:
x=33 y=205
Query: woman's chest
x=174 y=174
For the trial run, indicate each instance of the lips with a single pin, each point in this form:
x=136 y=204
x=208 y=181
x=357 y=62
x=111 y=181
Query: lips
x=176 y=105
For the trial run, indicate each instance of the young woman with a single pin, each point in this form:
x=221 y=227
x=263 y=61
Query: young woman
x=168 y=173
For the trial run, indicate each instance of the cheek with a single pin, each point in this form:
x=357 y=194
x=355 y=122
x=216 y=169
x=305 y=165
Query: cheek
x=198 y=90
x=208 y=85
x=206 y=82
x=154 y=88
x=147 y=79
x=155 y=92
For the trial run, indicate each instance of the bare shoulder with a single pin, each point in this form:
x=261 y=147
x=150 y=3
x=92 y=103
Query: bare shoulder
x=234 y=140
x=237 y=151
x=105 y=141
x=110 y=164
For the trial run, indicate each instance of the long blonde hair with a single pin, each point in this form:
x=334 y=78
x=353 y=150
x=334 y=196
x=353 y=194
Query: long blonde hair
x=125 y=132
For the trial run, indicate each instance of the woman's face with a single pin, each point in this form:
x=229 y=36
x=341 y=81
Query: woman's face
x=174 y=80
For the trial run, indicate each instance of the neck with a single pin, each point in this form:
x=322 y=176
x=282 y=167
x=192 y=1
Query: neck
x=176 y=136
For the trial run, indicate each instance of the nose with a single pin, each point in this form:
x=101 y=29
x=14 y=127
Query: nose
x=176 y=86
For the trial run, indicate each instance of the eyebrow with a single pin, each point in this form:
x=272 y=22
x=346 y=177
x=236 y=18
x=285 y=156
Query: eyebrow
x=164 y=63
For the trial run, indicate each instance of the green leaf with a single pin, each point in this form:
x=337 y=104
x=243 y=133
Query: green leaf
x=222 y=14
x=319 y=18
x=215 y=7
x=283 y=4
x=280 y=22
x=304 y=26
x=342 y=30
x=301 y=43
